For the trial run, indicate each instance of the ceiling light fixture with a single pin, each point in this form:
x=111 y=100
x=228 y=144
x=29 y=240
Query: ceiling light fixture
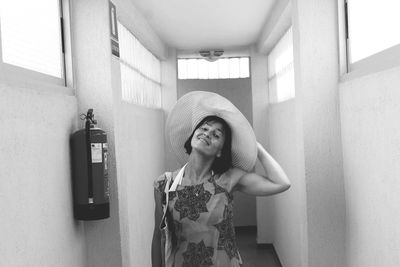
x=211 y=55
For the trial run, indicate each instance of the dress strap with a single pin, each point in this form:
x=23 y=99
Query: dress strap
x=178 y=179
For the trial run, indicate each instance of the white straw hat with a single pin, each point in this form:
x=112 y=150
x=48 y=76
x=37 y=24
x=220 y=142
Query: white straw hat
x=195 y=106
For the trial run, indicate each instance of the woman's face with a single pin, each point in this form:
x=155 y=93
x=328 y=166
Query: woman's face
x=209 y=138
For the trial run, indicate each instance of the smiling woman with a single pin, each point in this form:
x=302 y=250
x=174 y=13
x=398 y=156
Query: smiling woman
x=194 y=204
x=216 y=134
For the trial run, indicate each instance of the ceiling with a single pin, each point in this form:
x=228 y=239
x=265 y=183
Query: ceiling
x=206 y=24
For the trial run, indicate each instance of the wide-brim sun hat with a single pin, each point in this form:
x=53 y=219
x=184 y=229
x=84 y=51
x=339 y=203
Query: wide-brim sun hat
x=191 y=108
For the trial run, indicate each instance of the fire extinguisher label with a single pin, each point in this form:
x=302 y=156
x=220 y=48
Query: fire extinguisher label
x=106 y=180
x=97 y=153
x=105 y=163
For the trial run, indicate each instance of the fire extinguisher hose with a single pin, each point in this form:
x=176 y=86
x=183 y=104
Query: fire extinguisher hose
x=89 y=155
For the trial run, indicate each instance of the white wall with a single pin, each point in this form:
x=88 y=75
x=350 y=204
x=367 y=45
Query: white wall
x=285 y=142
x=370 y=111
x=140 y=154
x=238 y=91
x=366 y=233
x=37 y=225
x=91 y=52
x=133 y=20
x=140 y=146
x=38 y=228
x=316 y=67
x=169 y=97
x=135 y=136
x=259 y=86
x=309 y=219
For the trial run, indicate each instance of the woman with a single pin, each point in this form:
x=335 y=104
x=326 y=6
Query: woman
x=194 y=205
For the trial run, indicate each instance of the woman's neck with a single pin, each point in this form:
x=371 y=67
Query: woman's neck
x=198 y=167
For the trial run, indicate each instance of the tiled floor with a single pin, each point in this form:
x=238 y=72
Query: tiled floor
x=252 y=254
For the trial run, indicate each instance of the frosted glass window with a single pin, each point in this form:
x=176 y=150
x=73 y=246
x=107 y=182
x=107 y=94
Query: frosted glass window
x=213 y=70
x=203 y=70
x=140 y=71
x=280 y=70
x=234 y=68
x=373 y=27
x=31 y=35
x=244 y=67
x=223 y=68
x=182 y=66
x=192 y=69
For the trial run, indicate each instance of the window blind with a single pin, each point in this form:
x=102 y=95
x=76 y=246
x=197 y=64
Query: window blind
x=31 y=35
x=140 y=71
x=280 y=70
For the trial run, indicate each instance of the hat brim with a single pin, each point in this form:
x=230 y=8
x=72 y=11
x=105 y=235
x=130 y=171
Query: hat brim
x=191 y=108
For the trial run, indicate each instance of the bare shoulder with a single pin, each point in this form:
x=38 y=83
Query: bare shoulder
x=159 y=182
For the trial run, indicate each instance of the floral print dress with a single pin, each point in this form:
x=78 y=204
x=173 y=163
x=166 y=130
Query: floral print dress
x=201 y=223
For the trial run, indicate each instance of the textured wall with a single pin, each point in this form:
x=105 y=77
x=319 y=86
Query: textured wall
x=124 y=238
x=238 y=91
x=140 y=153
x=137 y=24
x=284 y=140
x=169 y=97
x=369 y=108
x=37 y=225
x=259 y=88
x=93 y=82
x=37 y=222
x=316 y=78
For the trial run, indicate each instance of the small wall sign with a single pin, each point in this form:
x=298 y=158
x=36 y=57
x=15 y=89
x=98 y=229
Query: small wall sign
x=113 y=30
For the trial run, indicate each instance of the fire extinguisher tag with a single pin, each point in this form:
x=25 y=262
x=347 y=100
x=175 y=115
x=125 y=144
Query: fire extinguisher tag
x=105 y=149
x=97 y=154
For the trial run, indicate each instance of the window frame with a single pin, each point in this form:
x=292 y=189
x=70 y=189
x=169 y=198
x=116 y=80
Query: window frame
x=382 y=60
x=226 y=57
x=20 y=76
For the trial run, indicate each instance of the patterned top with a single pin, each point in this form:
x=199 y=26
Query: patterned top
x=202 y=229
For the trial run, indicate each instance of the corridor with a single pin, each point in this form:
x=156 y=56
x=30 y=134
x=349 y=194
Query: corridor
x=318 y=81
x=254 y=255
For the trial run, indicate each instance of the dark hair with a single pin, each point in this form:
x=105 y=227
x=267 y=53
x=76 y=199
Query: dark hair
x=223 y=163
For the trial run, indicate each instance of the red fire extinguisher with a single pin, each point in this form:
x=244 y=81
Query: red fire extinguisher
x=91 y=189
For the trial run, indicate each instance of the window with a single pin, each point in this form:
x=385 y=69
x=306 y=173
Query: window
x=372 y=28
x=31 y=36
x=140 y=71
x=223 y=68
x=280 y=70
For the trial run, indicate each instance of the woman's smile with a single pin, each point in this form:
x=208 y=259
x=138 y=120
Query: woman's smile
x=203 y=137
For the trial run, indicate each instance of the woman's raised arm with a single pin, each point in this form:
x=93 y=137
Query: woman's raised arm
x=274 y=181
